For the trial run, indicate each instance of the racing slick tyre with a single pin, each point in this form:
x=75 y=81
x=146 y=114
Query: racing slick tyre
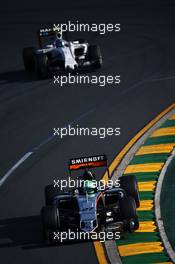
x=50 y=217
x=50 y=192
x=94 y=56
x=131 y=225
x=41 y=65
x=50 y=221
x=128 y=213
x=129 y=184
x=127 y=208
x=101 y=216
x=136 y=223
x=28 y=58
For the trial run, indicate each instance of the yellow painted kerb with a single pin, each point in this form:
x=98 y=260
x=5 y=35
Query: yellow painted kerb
x=146 y=167
x=123 y=152
x=165 y=131
x=146 y=186
x=99 y=249
x=155 y=149
x=140 y=248
x=172 y=117
x=100 y=253
x=145 y=205
x=146 y=226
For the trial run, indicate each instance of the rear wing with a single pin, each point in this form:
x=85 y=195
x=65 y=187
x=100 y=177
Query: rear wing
x=88 y=162
x=49 y=32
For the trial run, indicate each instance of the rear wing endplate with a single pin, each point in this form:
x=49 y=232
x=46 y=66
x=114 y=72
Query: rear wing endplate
x=88 y=162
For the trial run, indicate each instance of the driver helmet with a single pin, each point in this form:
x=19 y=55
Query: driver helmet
x=59 y=43
x=59 y=35
x=89 y=187
x=88 y=175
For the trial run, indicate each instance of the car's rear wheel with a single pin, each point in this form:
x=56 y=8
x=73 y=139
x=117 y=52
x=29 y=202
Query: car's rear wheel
x=136 y=223
x=128 y=214
x=101 y=216
x=94 y=56
x=129 y=184
x=41 y=65
x=28 y=58
x=127 y=207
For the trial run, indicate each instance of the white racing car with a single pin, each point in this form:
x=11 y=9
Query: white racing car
x=57 y=54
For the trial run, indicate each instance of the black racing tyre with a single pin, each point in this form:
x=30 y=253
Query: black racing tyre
x=101 y=216
x=94 y=55
x=50 y=192
x=61 y=64
x=136 y=223
x=127 y=208
x=41 y=65
x=28 y=58
x=50 y=217
x=128 y=214
x=50 y=222
x=130 y=225
x=129 y=184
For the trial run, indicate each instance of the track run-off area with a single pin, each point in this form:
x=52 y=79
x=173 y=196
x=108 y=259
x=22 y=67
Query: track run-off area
x=149 y=151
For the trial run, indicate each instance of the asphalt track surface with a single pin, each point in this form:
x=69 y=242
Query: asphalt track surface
x=142 y=53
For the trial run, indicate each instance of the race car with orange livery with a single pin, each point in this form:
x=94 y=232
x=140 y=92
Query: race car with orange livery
x=90 y=206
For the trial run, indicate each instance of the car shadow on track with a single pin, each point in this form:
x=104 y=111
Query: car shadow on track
x=25 y=232
x=16 y=76
x=20 y=231
x=25 y=77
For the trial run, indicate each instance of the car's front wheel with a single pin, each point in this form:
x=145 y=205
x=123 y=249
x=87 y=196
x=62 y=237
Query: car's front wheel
x=129 y=184
x=50 y=221
x=95 y=56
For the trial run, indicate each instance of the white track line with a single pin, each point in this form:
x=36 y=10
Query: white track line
x=118 y=172
x=44 y=142
x=159 y=220
x=4 y=178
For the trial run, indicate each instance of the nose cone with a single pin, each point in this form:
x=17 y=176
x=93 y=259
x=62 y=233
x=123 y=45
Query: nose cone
x=87 y=211
x=88 y=225
x=59 y=54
